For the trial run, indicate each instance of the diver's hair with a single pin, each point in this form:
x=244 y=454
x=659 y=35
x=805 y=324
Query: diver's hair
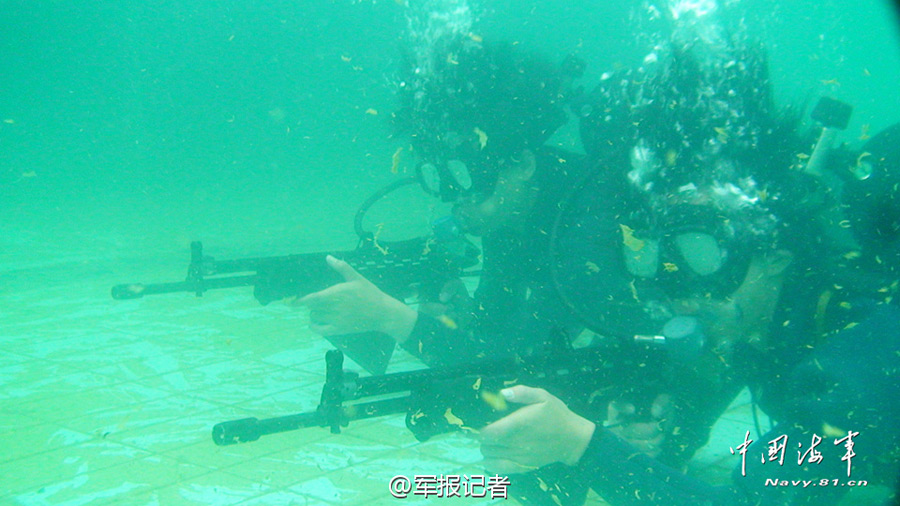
x=514 y=98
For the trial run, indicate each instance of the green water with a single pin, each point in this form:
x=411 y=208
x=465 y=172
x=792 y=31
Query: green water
x=202 y=113
x=129 y=129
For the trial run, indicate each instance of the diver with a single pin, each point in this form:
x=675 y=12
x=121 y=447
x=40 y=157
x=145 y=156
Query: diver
x=479 y=119
x=823 y=365
x=694 y=245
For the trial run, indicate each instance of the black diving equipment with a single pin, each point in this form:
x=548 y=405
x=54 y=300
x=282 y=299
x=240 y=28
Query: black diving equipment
x=620 y=267
x=871 y=205
x=445 y=180
x=473 y=173
x=833 y=115
x=692 y=252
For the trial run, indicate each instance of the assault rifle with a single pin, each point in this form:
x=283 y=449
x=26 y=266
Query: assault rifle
x=463 y=397
x=442 y=400
x=399 y=268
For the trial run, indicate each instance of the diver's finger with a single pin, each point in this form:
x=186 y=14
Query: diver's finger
x=619 y=411
x=522 y=394
x=343 y=268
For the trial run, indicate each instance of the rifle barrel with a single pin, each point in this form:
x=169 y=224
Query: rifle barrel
x=137 y=290
x=246 y=430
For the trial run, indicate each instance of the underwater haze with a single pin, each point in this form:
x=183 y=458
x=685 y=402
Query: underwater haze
x=130 y=129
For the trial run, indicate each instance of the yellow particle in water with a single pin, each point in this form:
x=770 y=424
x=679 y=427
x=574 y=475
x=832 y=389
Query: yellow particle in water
x=482 y=137
x=592 y=267
x=372 y=112
x=452 y=419
x=832 y=431
x=9 y=121
x=864 y=133
x=451 y=59
x=628 y=238
x=475 y=37
x=850 y=325
x=831 y=82
x=634 y=292
x=447 y=321
x=845 y=305
x=395 y=161
x=346 y=58
x=722 y=134
x=802 y=156
x=670 y=267
x=671 y=157
x=477 y=384
x=850 y=255
x=455 y=420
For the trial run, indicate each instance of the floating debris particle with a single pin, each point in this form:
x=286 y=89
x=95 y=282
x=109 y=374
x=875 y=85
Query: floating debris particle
x=395 y=161
x=482 y=137
x=628 y=238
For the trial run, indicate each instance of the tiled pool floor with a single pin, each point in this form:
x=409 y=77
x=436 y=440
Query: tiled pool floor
x=112 y=402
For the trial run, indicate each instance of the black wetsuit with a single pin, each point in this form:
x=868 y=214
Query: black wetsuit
x=515 y=308
x=833 y=358
x=849 y=382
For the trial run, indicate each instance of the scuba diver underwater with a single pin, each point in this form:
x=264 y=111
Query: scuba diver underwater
x=479 y=127
x=700 y=246
x=703 y=257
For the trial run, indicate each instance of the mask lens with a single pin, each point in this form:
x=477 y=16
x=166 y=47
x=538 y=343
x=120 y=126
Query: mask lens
x=462 y=179
x=430 y=178
x=701 y=252
x=642 y=262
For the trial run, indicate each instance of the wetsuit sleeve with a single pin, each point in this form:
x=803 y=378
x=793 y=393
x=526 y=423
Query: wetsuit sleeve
x=621 y=474
x=493 y=325
x=438 y=344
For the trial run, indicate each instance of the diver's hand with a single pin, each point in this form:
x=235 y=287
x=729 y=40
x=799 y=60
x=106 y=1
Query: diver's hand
x=454 y=294
x=356 y=305
x=453 y=302
x=541 y=433
x=645 y=435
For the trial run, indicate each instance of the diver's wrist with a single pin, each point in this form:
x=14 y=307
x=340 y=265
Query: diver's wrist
x=582 y=433
x=399 y=321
